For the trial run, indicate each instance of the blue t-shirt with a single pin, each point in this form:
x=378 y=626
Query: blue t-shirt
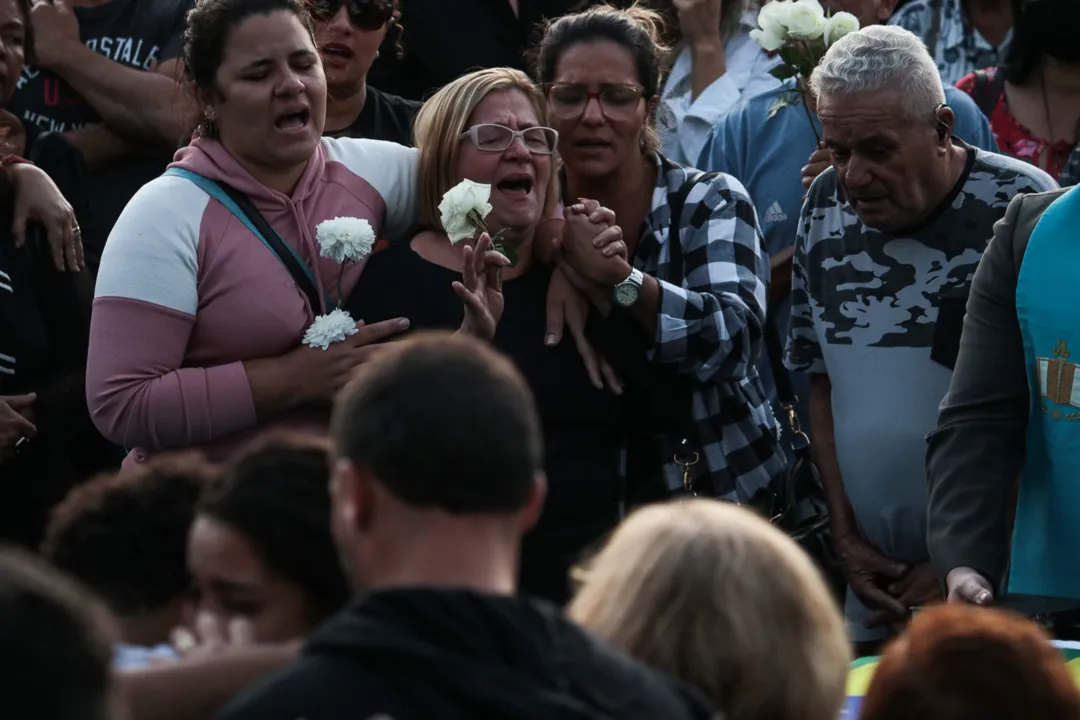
x=766 y=155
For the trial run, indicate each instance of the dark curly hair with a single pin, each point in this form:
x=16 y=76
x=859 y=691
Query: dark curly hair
x=125 y=537
x=276 y=494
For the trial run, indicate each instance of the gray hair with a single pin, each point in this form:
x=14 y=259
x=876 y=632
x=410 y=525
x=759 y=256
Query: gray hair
x=879 y=57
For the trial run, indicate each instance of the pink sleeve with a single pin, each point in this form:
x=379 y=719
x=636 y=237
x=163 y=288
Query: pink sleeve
x=138 y=391
x=140 y=396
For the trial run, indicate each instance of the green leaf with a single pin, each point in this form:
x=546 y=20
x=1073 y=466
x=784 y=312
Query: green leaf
x=783 y=72
x=506 y=250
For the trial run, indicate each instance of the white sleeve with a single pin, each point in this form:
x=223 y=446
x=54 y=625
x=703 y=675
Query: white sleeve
x=390 y=168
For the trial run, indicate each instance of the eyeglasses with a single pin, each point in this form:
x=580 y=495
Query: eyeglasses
x=364 y=14
x=567 y=101
x=489 y=137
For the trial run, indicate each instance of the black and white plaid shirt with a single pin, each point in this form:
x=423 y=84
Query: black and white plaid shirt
x=712 y=320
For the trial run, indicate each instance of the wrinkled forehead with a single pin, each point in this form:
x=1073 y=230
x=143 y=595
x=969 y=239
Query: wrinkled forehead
x=863 y=113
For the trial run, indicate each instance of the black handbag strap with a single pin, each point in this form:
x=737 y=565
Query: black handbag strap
x=300 y=275
x=988 y=91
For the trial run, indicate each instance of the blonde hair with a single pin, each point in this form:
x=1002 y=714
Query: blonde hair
x=714 y=595
x=445 y=117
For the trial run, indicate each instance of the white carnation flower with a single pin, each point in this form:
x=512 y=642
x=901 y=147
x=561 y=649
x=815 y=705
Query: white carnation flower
x=839 y=25
x=345 y=238
x=463 y=209
x=806 y=21
x=330 y=328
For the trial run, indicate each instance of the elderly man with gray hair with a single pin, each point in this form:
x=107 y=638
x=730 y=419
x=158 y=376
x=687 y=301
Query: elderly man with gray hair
x=887 y=246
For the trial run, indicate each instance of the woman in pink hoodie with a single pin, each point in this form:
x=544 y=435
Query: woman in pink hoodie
x=196 y=330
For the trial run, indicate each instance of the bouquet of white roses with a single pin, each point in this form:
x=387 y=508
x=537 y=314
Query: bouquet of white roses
x=344 y=240
x=799 y=32
x=463 y=211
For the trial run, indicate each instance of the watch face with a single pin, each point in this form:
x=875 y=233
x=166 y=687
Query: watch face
x=626 y=294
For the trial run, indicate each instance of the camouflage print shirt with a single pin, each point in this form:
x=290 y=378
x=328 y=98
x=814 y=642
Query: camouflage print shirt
x=864 y=310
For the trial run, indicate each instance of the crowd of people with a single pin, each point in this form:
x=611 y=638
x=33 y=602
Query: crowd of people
x=738 y=374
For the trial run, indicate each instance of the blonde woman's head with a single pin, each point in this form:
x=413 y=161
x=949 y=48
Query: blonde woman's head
x=714 y=595
x=464 y=132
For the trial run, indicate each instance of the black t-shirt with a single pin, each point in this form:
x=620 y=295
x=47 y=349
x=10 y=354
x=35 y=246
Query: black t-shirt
x=383 y=117
x=583 y=426
x=139 y=34
x=443 y=40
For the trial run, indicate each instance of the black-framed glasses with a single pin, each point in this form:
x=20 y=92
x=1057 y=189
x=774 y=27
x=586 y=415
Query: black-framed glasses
x=489 y=137
x=567 y=101
x=364 y=14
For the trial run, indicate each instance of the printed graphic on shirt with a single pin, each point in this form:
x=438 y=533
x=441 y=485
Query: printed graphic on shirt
x=1058 y=384
x=134 y=33
x=853 y=285
x=775 y=213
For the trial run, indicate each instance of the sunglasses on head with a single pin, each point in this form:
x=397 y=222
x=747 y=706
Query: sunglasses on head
x=364 y=14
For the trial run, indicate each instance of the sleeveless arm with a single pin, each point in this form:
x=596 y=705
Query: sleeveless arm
x=137 y=386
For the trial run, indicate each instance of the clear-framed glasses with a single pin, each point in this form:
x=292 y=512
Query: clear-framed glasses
x=567 y=101
x=490 y=137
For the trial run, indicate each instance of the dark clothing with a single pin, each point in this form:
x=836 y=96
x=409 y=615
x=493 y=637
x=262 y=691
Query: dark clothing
x=582 y=425
x=43 y=340
x=421 y=654
x=977 y=451
x=444 y=40
x=139 y=34
x=383 y=117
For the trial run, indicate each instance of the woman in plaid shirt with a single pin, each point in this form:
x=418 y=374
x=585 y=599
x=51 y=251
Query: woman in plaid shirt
x=685 y=314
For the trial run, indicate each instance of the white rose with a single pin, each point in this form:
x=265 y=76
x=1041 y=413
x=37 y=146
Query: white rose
x=767 y=40
x=773 y=17
x=330 y=328
x=345 y=238
x=806 y=20
x=839 y=25
x=460 y=208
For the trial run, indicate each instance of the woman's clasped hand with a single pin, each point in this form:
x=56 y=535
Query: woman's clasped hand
x=322 y=373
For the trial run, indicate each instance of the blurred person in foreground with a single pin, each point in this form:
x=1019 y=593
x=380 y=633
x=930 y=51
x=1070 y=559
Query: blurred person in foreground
x=437 y=478
x=57 y=642
x=963 y=663
x=888 y=243
x=124 y=537
x=714 y=595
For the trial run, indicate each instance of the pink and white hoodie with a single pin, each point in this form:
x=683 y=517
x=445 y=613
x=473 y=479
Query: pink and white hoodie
x=186 y=292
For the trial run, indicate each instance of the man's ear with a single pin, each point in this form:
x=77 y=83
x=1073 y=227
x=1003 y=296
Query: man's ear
x=946 y=120
x=352 y=496
x=535 y=506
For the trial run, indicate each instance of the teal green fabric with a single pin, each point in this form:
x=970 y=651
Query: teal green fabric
x=1046 y=536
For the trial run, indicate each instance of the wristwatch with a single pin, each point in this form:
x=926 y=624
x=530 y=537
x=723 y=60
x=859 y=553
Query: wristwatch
x=629 y=290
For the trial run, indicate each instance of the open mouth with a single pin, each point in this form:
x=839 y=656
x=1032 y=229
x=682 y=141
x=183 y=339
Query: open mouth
x=515 y=185
x=296 y=120
x=337 y=50
x=592 y=144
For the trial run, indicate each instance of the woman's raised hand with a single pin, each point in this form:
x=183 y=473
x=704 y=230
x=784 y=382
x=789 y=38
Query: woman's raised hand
x=480 y=288
x=593 y=246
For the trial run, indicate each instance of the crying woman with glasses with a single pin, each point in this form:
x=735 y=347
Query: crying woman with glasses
x=684 y=309
x=488 y=127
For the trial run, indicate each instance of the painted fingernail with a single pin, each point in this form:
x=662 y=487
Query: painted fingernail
x=549 y=340
x=403 y=323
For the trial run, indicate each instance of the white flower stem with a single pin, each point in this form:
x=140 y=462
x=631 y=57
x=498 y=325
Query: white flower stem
x=341 y=273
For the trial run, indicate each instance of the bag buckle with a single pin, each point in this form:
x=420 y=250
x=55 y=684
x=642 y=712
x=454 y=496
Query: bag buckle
x=686 y=458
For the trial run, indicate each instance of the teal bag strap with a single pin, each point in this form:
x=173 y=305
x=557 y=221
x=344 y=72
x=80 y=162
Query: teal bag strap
x=285 y=254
